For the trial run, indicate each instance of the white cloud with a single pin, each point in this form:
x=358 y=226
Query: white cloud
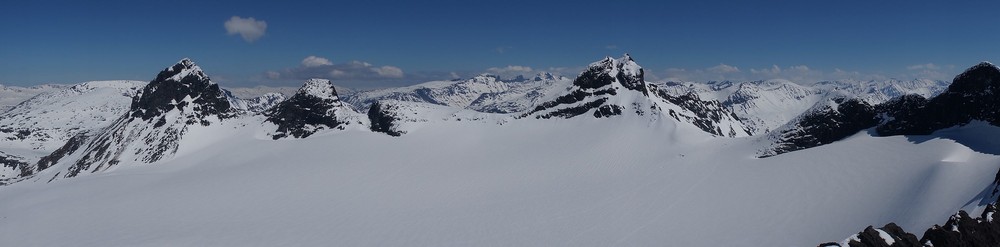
x=454 y=75
x=359 y=63
x=272 y=75
x=773 y=70
x=389 y=72
x=510 y=69
x=353 y=71
x=503 y=49
x=927 y=66
x=313 y=61
x=723 y=69
x=248 y=28
x=799 y=68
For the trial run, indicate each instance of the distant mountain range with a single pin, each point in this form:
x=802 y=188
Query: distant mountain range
x=781 y=147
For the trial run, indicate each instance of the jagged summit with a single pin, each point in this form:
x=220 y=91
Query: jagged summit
x=185 y=87
x=614 y=87
x=314 y=107
x=320 y=88
x=181 y=69
x=613 y=72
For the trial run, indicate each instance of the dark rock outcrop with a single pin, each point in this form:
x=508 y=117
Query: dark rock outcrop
x=971 y=96
x=175 y=88
x=383 y=119
x=73 y=144
x=872 y=237
x=572 y=98
x=16 y=163
x=707 y=114
x=314 y=107
x=961 y=230
x=593 y=88
x=625 y=71
x=826 y=125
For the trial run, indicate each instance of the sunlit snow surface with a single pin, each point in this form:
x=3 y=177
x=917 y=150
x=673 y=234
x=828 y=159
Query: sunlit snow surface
x=621 y=181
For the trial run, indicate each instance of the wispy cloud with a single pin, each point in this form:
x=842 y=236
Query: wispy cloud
x=314 y=61
x=926 y=66
x=510 y=71
x=611 y=47
x=503 y=49
x=931 y=70
x=249 y=29
x=510 y=68
x=723 y=69
x=353 y=72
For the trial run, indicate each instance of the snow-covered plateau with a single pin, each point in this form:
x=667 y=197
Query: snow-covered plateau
x=605 y=159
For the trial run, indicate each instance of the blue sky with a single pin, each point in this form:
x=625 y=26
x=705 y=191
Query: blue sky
x=367 y=44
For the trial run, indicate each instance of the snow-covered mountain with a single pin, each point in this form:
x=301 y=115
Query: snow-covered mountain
x=606 y=158
x=158 y=117
x=971 y=97
x=878 y=91
x=484 y=93
x=766 y=105
x=43 y=123
x=613 y=87
x=254 y=105
x=10 y=96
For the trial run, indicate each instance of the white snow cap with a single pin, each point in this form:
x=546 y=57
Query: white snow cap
x=187 y=67
x=321 y=88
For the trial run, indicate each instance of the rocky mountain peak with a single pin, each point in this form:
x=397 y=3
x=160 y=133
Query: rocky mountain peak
x=320 y=88
x=613 y=72
x=184 y=87
x=315 y=106
x=979 y=79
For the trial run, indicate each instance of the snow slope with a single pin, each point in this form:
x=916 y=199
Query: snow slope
x=190 y=164
x=10 y=96
x=41 y=124
x=564 y=182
